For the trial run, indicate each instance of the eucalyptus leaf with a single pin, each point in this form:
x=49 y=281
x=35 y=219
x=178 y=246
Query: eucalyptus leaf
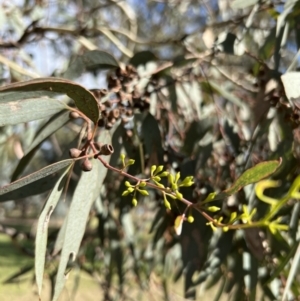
x=253 y=175
x=142 y=58
x=226 y=94
x=90 y=61
x=35 y=183
x=84 y=99
x=85 y=194
x=50 y=127
x=292 y=273
x=25 y=110
x=42 y=229
x=152 y=138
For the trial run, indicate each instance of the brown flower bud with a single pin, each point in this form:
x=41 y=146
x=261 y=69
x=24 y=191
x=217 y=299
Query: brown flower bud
x=106 y=149
x=112 y=121
x=96 y=93
x=109 y=125
x=101 y=122
x=115 y=113
x=74 y=152
x=86 y=165
x=74 y=115
x=103 y=92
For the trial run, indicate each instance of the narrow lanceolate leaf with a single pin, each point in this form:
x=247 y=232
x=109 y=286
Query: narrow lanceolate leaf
x=47 y=129
x=35 y=183
x=42 y=229
x=152 y=138
x=84 y=99
x=85 y=194
x=253 y=175
x=89 y=61
x=250 y=176
x=226 y=94
x=292 y=273
x=24 y=110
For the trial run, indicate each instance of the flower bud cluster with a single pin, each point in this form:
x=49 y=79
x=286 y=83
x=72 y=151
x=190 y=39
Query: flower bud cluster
x=121 y=98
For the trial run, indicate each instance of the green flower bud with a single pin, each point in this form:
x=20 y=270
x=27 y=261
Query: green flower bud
x=190 y=219
x=127 y=184
x=213 y=208
x=142 y=184
x=233 y=216
x=134 y=202
x=171 y=178
x=164 y=174
x=179 y=195
x=159 y=169
x=153 y=168
x=167 y=204
x=122 y=157
x=156 y=178
x=188 y=181
x=159 y=184
x=126 y=192
x=130 y=189
x=143 y=192
x=130 y=162
x=177 y=177
x=174 y=186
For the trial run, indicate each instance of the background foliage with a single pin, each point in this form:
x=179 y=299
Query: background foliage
x=209 y=89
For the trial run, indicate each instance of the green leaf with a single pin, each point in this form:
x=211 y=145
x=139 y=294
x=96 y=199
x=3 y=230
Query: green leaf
x=142 y=58
x=267 y=49
x=253 y=175
x=35 y=183
x=292 y=273
x=90 y=61
x=283 y=263
x=225 y=42
x=42 y=229
x=84 y=99
x=195 y=133
x=152 y=138
x=296 y=30
x=182 y=61
x=27 y=109
x=86 y=192
x=171 y=84
x=23 y=163
x=47 y=129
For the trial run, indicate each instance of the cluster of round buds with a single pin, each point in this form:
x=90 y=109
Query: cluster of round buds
x=86 y=165
x=116 y=106
x=121 y=98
